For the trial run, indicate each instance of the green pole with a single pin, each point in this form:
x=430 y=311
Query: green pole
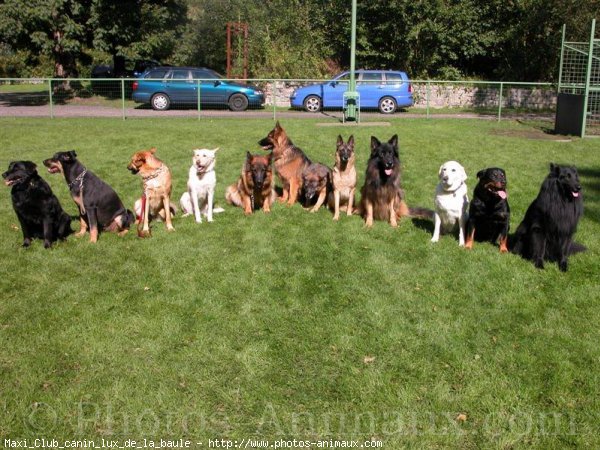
x=351 y=93
x=123 y=96
x=198 y=96
x=427 y=94
x=588 y=76
x=500 y=101
x=50 y=97
x=274 y=95
x=562 y=54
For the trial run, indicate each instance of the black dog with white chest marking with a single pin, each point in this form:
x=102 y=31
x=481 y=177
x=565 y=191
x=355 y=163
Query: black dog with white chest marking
x=546 y=232
x=38 y=210
x=489 y=213
x=100 y=208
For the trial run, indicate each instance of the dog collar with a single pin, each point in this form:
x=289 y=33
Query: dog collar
x=79 y=179
x=154 y=174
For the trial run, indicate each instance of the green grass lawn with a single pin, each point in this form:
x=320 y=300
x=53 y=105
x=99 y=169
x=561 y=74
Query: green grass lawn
x=289 y=325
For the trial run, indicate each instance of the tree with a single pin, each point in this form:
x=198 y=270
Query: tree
x=54 y=28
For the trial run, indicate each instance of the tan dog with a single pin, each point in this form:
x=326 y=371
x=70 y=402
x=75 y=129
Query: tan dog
x=255 y=188
x=344 y=177
x=156 y=196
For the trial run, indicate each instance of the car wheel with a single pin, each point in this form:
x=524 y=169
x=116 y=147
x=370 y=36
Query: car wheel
x=387 y=105
x=238 y=102
x=312 y=103
x=160 y=102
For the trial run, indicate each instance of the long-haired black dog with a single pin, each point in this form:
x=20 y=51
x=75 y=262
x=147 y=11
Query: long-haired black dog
x=38 y=210
x=546 y=232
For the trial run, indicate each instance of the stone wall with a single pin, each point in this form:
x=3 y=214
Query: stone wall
x=458 y=95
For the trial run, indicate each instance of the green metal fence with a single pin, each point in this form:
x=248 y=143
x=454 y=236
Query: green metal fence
x=93 y=97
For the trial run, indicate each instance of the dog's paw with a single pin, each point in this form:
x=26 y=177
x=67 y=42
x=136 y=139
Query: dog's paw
x=435 y=239
x=336 y=218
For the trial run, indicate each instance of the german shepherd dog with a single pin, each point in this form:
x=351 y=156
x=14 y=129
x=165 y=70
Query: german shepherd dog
x=38 y=210
x=489 y=213
x=100 y=208
x=381 y=195
x=343 y=177
x=316 y=186
x=546 y=232
x=289 y=161
x=254 y=189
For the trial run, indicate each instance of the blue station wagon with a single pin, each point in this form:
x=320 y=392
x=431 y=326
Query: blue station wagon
x=385 y=90
x=164 y=87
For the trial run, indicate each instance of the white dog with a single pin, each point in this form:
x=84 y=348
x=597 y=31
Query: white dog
x=451 y=201
x=201 y=184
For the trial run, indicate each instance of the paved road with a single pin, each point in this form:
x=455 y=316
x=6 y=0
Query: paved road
x=104 y=111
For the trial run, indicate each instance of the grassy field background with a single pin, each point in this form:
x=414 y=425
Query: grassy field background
x=289 y=325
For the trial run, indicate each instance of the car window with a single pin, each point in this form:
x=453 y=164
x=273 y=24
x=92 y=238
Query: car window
x=205 y=75
x=157 y=74
x=182 y=75
x=393 y=78
x=370 y=78
x=343 y=78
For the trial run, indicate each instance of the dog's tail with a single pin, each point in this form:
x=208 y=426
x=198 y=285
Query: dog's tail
x=217 y=210
x=576 y=248
x=233 y=196
x=420 y=213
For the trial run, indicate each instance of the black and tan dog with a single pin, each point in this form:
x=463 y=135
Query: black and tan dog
x=289 y=161
x=255 y=188
x=343 y=177
x=316 y=186
x=489 y=213
x=100 y=208
x=38 y=210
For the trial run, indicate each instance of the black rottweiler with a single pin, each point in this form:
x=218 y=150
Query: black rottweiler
x=100 y=208
x=38 y=210
x=547 y=230
x=489 y=213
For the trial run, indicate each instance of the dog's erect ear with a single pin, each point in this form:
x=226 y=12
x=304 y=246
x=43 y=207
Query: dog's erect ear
x=555 y=169
x=152 y=150
x=340 y=141
x=278 y=126
x=248 y=156
x=214 y=150
x=351 y=140
x=394 y=141
x=374 y=143
x=481 y=173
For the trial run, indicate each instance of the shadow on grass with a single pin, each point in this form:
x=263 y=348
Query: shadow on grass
x=590 y=179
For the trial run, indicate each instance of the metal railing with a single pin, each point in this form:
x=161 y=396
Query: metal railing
x=102 y=97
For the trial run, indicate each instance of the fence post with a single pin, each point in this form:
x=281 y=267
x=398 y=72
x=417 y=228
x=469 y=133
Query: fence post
x=198 y=96
x=50 y=97
x=500 y=102
x=427 y=96
x=274 y=93
x=123 y=96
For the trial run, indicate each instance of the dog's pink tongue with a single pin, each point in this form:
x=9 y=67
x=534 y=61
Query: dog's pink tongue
x=388 y=172
x=575 y=194
x=501 y=194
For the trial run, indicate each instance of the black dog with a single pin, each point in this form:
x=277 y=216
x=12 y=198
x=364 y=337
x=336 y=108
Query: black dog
x=489 y=213
x=38 y=210
x=546 y=232
x=100 y=208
